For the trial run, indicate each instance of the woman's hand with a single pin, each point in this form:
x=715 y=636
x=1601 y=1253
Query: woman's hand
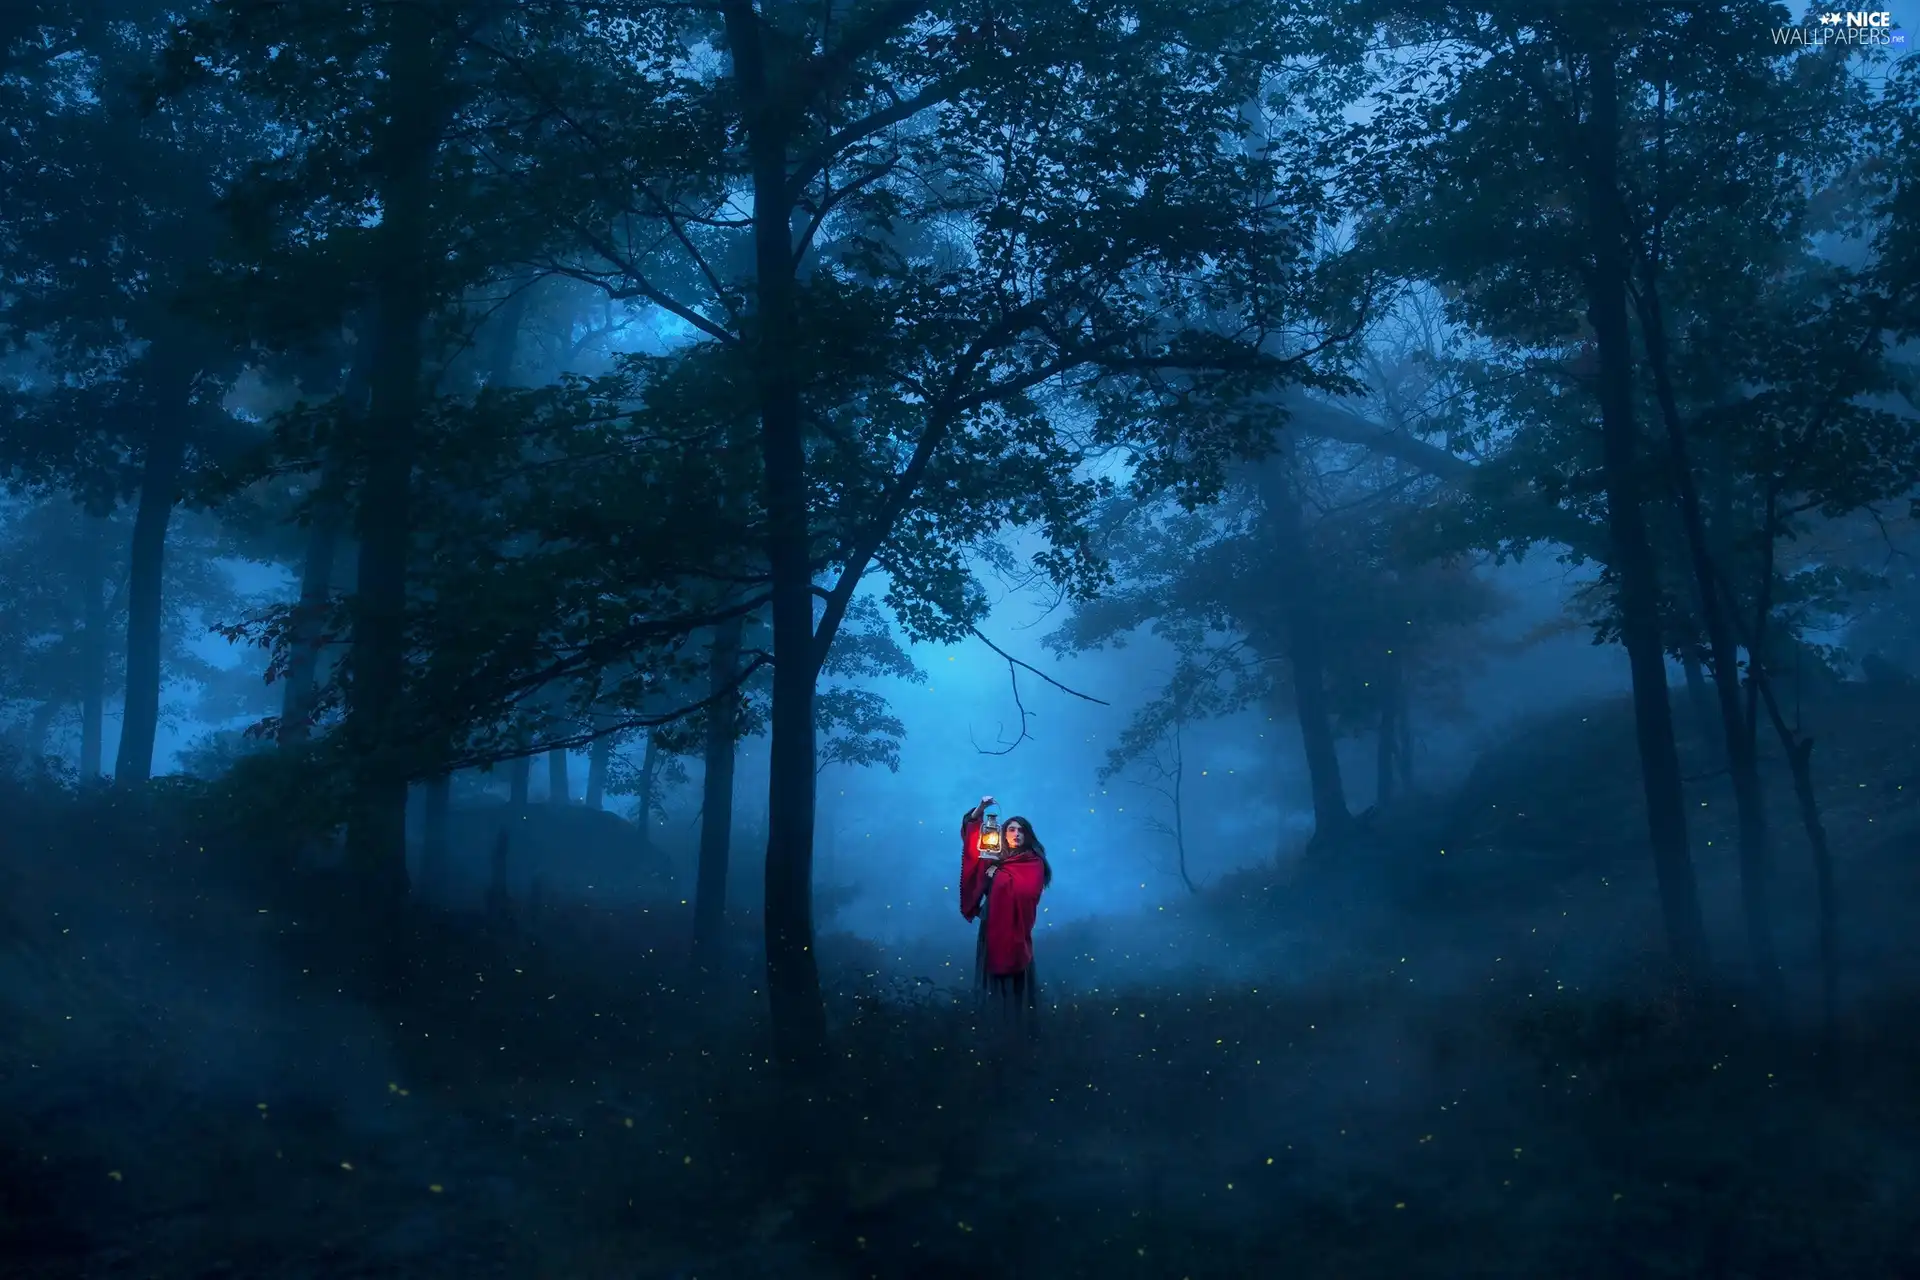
x=984 y=802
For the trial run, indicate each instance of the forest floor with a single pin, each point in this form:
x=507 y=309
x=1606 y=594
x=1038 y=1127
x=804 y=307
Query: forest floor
x=1445 y=1053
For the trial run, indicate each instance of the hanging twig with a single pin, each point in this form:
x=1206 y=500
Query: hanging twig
x=1015 y=662
x=1014 y=667
x=1014 y=675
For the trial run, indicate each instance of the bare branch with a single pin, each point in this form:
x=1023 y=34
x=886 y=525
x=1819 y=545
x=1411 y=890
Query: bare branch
x=573 y=742
x=1015 y=662
x=640 y=287
x=1025 y=715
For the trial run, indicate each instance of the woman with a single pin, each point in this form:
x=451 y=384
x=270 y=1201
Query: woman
x=1003 y=892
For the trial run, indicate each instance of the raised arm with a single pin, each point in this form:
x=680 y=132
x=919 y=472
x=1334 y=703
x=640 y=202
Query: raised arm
x=973 y=873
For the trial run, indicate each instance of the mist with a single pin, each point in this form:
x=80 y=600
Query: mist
x=546 y=552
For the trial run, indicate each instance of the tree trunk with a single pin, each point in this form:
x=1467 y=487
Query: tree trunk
x=1760 y=687
x=1179 y=806
x=1800 y=760
x=38 y=727
x=327 y=520
x=795 y=1003
x=716 y=798
x=599 y=761
x=433 y=832
x=1389 y=735
x=93 y=653
x=503 y=345
x=827 y=854
x=1632 y=553
x=1700 y=704
x=649 y=774
x=1299 y=589
x=376 y=832
x=506 y=335
x=308 y=624
x=559 y=788
x=499 y=904
x=1404 y=723
x=1736 y=720
x=159 y=491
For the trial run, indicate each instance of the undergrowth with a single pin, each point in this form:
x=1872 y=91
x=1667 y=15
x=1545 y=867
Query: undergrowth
x=188 y=1087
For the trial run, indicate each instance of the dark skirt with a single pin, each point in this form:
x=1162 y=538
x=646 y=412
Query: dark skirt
x=1011 y=998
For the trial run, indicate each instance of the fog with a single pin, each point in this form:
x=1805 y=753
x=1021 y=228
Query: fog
x=527 y=531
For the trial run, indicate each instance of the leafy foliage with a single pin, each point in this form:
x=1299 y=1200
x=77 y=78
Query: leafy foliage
x=1741 y=173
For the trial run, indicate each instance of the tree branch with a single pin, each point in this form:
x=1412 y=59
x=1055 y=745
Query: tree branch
x=1015 y=662
x=1025 y=715
x=639 y=287
x=821 y=158
x=572 y=742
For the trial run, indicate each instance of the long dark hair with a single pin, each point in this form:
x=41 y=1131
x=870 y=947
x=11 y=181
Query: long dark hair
x=1033 y=843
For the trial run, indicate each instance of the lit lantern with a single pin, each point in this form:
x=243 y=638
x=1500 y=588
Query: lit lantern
x=989 y=833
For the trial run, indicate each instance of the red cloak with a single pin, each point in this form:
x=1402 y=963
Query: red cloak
x=1017 y=886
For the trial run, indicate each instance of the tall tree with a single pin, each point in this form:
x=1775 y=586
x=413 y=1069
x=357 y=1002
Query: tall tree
x=949 y=211
x=1777 y=389
x=1217 y=585
x=1652 y=176
x=413 y=116
x=1811 y=118
x=1632 y=560
x=716 y=801
x=1555 y=275
x=1300 y=589
x=109 y=220
x=378 y=211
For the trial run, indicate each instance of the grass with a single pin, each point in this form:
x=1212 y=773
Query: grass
x=1488 y=1081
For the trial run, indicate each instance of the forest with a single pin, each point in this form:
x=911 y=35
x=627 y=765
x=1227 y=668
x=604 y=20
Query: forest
x=525 y=523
